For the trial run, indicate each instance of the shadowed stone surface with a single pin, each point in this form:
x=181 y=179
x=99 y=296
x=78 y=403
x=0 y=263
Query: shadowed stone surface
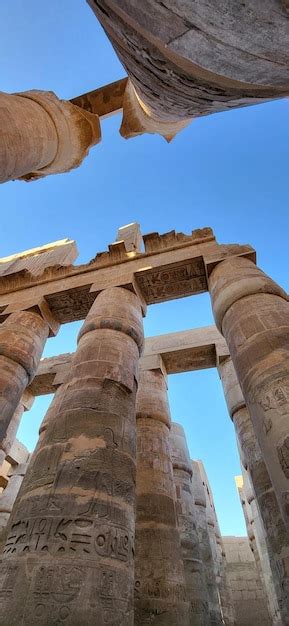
x=252 y=312
x=191 y=58
x=22 y=339
x=43 y=135
x=205 y=545
x=197 y=594
x=68 y=556
x=160 y=594
x=276 y=534
x=256 y=536
x=248 y=594
x=218 y=552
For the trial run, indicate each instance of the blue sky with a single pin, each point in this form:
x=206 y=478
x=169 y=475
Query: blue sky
x=228 y=171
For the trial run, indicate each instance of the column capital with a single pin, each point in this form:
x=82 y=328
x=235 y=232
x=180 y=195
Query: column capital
x=125 y=279
x=236 y=278
x=41 y=307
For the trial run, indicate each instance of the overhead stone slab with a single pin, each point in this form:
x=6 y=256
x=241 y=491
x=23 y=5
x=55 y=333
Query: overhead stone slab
x=59 y=253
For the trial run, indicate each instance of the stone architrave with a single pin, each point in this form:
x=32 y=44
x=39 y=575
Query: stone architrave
x=22 y=339
x=276 y=534
x=197 y=594
x=42 y=135
x=252 y=313
x=218 y=552
x=160 y=594
x=74 y=520
x=256 y=536
x=205 y=545
x=185 y=59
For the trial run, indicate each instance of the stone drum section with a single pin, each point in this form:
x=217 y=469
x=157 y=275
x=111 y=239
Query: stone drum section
x=70 y=542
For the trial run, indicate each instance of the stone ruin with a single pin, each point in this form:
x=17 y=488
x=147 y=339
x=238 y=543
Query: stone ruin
x=109 y=521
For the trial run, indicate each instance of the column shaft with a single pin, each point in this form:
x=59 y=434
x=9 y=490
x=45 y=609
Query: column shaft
x=276 y=534
x=8 y=497
x=22 y=339
x=256 y=536
x=252 y=312
x=74 y=519
x=197 y=594
x=218 y=552
x=41 y=135
x=160 y=595
x=205 y=546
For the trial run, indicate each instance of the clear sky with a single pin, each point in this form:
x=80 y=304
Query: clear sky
x=228 y=171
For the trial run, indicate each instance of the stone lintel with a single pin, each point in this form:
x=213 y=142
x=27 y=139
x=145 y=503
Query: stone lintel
x=104 y=101
x=172 y=266
x=179 y=352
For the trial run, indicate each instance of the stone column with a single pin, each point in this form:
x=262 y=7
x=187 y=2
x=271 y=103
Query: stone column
x=252 y=312
x=185 y=59
x=218 y=552
x=255 y=531
x=22 y=339
x=197 y=594
x=160 y=594
x=70 y=541
x=6 y=444
x=277 y=537
x=205 y=545
x=9 y=495
x=43 y=135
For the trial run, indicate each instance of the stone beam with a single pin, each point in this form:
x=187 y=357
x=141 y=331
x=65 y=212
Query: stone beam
x=173 y=265
x=104 y=101
x=184 y=351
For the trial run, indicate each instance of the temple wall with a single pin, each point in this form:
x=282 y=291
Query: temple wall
x=249 y=597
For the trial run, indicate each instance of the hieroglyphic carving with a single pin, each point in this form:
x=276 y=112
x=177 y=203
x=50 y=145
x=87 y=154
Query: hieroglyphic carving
x=69 y=536
x=173 y=281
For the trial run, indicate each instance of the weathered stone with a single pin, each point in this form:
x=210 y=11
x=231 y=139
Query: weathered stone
x=70 y=539
x=8 y=497
x=276 y=534
x=43 y=135
x=252 y=312
x=160 y=594
x=205 y=545
x=22 y=339
x=185 y=59
x=249 y=598
x=197 y=594
x=218 y=553
x=256 y=536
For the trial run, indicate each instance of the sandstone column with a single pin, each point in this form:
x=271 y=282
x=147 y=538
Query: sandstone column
x=22 y=338
x=205 y=545
x=256 y=535
x=70 y=542
x=252 y=312
x=9 y=495
x=160 y=595
x=25 y=404
x=42 y=135
x=197 y=594
x=185 y=59
x=218 y=552
x=277 y=536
